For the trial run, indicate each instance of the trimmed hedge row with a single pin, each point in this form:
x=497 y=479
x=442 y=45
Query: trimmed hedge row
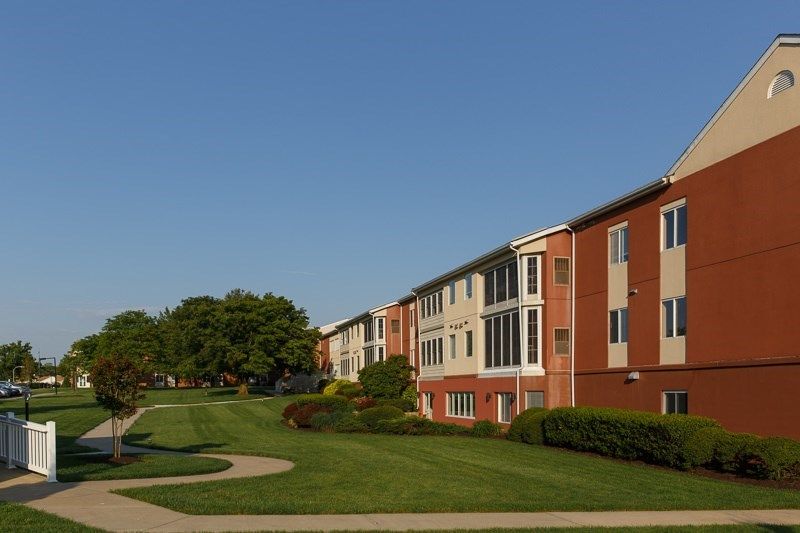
x=527 y=426
x=650 y=437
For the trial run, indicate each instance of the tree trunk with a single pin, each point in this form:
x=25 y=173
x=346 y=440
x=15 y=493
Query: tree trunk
x=116 y=432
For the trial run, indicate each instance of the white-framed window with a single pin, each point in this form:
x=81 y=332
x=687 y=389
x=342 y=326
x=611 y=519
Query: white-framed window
x=431 y=305
x=501 y=284
x=561 y=341
x=504 y=407
x=381 y=353
x=468 y=286
x=411 y=318
x=468 y=343
x=451 y=292
x=369 y=356
x=81 y=380
x=369 y=331
x=618 y=326
x=345 y=367
x=532 y=275
x=427 y=404
x=502 y=340
x=461 y=404
x=673 y=227
x=676 y=402
x=534 y=398
x=618 y=243
x=673 y=317
x=533 y=336
x=432 y=351
x=381 y=323
x=452 y=343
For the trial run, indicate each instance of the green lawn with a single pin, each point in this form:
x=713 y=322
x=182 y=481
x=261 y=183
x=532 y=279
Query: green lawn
x=209 y=395
x=20 y=519
x=94 y=467
x=379 y=473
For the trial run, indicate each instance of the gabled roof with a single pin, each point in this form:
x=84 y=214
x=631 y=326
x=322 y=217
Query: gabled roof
x=607 y=207
x=510 y=246
x=327 y=329
x=783 y=38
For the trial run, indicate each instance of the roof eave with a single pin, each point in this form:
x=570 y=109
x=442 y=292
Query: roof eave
x=621 y=201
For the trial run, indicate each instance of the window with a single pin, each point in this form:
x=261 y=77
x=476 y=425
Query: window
x=502 y=340
x=674 y=227
x=381 y=322
x=534 y=398
x=451 y=292
x=468 y=286
x=380 y=353
x=432 y=352
x=369 y=356
x=432 y=305
x=411 y=318
x=501 y=284
x=561 y=271
x=784 y=80
x=452 y=346
x=395 y=326
x=345 y=366
x=468 y=343
x=369 y=331
x=504 y=407
x=427 y=404
x=533 y=336
x=358 y=363
x=676 y=402
x=561 y=341
x=532 y=275
x=461 y=404
x=618 y=322
x=673 y=321
x=619 y=246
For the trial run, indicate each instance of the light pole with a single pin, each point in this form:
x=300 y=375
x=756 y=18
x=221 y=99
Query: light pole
x=13 y=371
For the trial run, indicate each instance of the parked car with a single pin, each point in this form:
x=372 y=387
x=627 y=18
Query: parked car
x=5 y=393
x=15 y=390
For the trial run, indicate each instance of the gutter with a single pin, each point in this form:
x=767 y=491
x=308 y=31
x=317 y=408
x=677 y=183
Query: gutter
x=519 y=320
x=572 y=322
x=618 y=202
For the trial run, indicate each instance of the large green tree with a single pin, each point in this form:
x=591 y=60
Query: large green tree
x=16 y=354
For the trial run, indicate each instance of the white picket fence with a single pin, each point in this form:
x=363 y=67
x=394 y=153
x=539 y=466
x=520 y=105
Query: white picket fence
x=28 y=445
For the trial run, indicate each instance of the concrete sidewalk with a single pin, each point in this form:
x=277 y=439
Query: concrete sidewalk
x=91 y=503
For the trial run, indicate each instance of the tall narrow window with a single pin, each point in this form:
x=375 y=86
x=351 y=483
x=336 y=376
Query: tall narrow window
x=504 y=407
x=618 y=325
x=673 y=320
x=488 y=342
x=468 y=286
x=395 y=326
x=532 y=275
x=380 y=322
x=674 y=227
x=561 y=271
x=468 y=344
x=451 y=292
x=619 y=246
x=440 y=351
x=533 y=336
x=488 y=288
x=452 y=346
x=513 y=281
x=500 y=284
x=381 y=354
x=439 y=299
x=561 y=341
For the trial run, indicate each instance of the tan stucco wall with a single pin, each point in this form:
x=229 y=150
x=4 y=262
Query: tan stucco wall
x=751 y=118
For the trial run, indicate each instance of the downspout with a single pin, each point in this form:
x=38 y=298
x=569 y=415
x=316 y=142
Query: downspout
x=519 y=319
x=572 y=323
x=417 y=361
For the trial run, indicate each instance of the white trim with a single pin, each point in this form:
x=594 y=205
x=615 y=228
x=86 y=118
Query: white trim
x=781 y=39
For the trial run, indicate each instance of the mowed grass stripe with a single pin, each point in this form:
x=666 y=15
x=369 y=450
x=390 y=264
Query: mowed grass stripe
x=339 y=473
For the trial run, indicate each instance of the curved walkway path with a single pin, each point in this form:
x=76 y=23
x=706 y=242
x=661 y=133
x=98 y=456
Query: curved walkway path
x=91 y=503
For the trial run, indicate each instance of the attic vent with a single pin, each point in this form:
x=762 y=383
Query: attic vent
x=783 y=81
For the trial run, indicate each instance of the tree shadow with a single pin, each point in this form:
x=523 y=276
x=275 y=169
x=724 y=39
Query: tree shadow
x=142 y=440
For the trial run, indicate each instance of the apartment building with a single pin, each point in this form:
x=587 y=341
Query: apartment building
x=494 y=333
x=328 y=348
x=686 y=289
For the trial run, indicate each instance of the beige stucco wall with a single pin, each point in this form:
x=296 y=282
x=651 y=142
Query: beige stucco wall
x=751 y=118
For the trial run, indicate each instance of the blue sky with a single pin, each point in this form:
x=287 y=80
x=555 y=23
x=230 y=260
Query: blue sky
x=337 y=153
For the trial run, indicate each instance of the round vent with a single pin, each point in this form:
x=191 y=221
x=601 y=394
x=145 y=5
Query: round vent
x=783 y=81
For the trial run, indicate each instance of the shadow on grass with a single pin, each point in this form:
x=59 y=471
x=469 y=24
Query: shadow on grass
x=143 y=440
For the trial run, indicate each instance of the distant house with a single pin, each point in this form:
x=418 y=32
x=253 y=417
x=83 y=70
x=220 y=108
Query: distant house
x=50 y=380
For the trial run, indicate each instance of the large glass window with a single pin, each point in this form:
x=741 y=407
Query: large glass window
x=488 y=288
x=618 y=325
x=431 y=305
x=432 y=352
x=673 y=321
x=369 y=335
x=619 y=246
x=674 y=227
x=501 y=284
x=502 y=340
x=461 y=404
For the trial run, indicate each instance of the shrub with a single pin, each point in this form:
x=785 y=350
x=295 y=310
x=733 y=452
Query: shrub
x=486 y=428
x=700 y=447
x=410 y=394
x=289 y=411
x=349 y=391
x=350 y=423
x=302 y=418
x=417 y=425
x=527 y=426
x=401 y=403
x=335 y=403
x=731 y=451
x=774 y=458
x=370 y=417
x=365 y=402
x=386 y=379
x=327 y=421
x=653 y=438
x=333 y=387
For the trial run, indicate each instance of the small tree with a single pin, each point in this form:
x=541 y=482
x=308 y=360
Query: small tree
x=116 y=388
x=386 y=379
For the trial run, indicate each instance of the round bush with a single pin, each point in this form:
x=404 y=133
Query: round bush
x=732 y=451
x=336 y=403
x=302 y=418
x=699 y=448
x=527 y=426
x=410 y=395
x=486 y=428
x=350 y=424
x=370 y=417
x=774 y=458
x=333 y=387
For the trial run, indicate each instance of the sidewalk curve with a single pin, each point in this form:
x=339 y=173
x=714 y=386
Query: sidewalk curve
x=91 y=503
